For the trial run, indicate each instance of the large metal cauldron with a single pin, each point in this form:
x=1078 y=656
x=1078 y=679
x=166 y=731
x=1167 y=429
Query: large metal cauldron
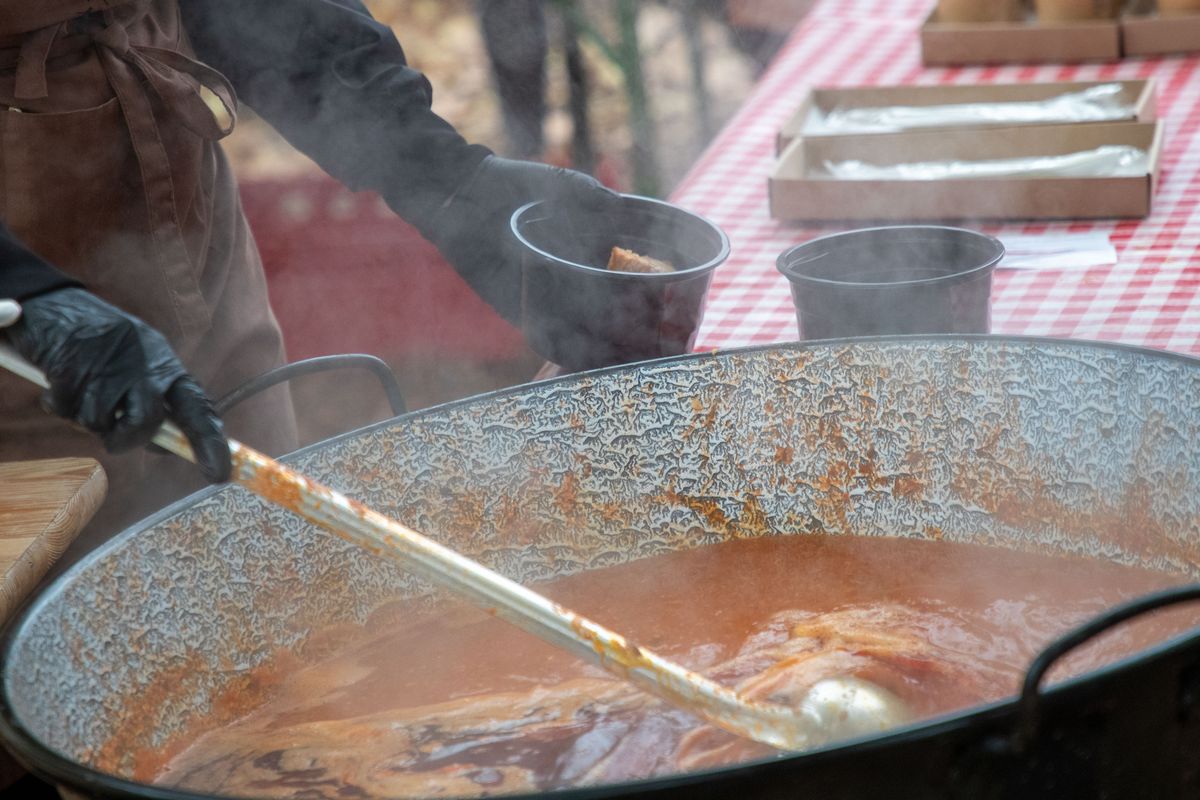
x=1024 y=444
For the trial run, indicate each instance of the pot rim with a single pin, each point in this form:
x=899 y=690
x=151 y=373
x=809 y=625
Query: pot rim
x=658 y=277
x=55 y=767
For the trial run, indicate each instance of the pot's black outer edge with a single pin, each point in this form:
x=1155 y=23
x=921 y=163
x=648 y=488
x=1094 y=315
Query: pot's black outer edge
x=770 y=778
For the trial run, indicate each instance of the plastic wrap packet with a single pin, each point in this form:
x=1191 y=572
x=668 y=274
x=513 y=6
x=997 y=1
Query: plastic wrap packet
x=1110 y=161
x=1095 y=104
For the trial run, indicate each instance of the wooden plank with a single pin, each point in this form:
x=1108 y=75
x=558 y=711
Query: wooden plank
x=43 y=507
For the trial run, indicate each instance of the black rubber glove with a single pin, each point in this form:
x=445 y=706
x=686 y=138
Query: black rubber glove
x=472 y=227
x=116 y=376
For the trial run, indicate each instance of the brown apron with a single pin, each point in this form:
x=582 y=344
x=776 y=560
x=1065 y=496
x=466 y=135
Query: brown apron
x=110 y=169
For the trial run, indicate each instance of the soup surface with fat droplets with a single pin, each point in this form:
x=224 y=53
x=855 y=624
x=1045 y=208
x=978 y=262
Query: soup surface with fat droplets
x=453 y=702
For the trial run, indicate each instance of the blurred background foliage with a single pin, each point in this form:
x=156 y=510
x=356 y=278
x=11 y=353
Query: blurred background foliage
x=649 y=115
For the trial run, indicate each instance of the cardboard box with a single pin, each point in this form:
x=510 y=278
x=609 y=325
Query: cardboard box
x=1144 y=33
x=778 y=16
x=799 y=192
x=944 y=43
x=1140 y=94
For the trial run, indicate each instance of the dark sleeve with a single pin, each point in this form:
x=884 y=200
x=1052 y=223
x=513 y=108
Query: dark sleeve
x=23 y=273
x=335 y=83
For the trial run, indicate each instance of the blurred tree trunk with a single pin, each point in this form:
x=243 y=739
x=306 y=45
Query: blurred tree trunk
x=626 y=54
x=645 y=162
x=583 y=154
x=690 y=10
x=514 y=32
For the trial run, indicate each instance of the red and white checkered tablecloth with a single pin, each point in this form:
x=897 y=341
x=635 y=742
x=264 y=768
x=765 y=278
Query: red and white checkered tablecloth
x=1150 y=297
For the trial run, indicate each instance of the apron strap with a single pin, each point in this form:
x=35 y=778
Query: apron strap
x=175 y=79
x=21 y=16
x=31 y=63
x=140 y=75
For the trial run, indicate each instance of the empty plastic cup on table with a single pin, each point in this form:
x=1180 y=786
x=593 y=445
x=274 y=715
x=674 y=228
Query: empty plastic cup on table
x=910 y=279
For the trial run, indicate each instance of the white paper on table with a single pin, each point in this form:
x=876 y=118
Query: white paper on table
x=1106 y=161
x=1095 y=104
x=1058 y=251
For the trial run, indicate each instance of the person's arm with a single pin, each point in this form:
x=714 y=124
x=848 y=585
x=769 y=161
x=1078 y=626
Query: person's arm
x=25 y=274
x=335 y=83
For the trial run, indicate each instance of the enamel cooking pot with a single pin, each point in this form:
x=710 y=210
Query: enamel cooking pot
x=1019 y=443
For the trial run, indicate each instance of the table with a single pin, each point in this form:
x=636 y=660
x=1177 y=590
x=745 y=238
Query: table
x=43 y=507
x=1151 y=297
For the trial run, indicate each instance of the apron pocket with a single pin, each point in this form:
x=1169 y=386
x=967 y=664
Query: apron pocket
x=73 y=192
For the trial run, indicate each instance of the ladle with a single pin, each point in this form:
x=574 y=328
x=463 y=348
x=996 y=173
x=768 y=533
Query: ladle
x=835 y=708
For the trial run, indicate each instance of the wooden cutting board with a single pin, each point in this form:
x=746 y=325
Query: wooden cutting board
x=43 y=507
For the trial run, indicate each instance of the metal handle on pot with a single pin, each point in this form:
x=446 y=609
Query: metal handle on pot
x=310 y=366
x=1029 y=706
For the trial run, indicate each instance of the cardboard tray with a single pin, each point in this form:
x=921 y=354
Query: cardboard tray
x=1144 y=33
x=1025 y=42
x=1139 y=93
x=778 y=16
x=797 y=194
